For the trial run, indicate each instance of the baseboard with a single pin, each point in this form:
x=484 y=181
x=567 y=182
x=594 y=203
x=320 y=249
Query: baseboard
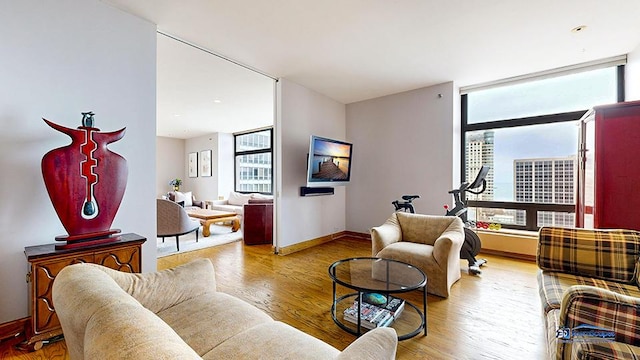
x=14 y=329
x=306 y=244
x=359 y=235
x=507 y=254
x=321 y=240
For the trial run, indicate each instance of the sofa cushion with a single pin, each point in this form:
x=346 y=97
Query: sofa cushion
x=117 y=323
x=213 y=311
x=231 y=208
x=238 y=198
x=272 y=341
x=259 y=196
x=554 y=284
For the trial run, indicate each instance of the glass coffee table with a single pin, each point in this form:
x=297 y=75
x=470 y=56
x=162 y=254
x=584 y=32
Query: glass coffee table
x=380 y=276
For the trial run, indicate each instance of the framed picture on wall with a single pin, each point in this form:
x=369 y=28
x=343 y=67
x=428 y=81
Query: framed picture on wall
x=205 y=163
x=193 y=164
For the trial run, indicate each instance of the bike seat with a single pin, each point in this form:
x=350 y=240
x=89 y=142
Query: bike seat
x=410 y=197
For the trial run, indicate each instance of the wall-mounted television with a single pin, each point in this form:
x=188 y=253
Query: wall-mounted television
x=329 y=162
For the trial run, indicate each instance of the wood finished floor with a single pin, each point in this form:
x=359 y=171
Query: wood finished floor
x=493 y=316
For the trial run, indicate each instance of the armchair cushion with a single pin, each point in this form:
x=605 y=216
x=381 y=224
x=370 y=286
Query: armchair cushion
x=615 y=312
x=555 y=284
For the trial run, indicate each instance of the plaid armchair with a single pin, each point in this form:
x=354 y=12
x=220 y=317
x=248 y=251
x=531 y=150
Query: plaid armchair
x=590 y=277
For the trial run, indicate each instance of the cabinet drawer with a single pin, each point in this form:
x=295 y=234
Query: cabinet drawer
x=126 y=259
x=44 y=316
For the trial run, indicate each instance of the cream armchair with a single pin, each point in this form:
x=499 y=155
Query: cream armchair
x=431 y=243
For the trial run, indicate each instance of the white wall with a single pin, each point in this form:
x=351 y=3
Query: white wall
x=170 y=162
x=225 y=165
x=203 y=187
x=632 y=75
x=301 y=113
x=403 y=144
x=60 y=58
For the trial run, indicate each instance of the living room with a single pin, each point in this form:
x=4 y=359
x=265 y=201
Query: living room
x=58 y=71
x=209 y=108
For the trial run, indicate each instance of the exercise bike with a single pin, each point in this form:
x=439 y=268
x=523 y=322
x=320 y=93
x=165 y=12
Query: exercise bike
x=471 y=246
x=406 y=204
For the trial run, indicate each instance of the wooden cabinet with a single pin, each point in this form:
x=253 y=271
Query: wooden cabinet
x=258 y=222
x=609 y=168
x=124 y=254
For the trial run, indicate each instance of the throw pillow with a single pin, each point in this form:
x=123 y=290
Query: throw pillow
x=188 y=199
x=178 y=197
x=238 y=199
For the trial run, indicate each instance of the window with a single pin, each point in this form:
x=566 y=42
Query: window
x=527 y=133
x=253 y=165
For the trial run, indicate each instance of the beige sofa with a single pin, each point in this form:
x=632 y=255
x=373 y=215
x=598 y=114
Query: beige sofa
x=237 y=201
x=178 y=314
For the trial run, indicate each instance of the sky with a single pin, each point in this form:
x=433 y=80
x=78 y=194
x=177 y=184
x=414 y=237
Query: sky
x=580 y=91
x=540 y=141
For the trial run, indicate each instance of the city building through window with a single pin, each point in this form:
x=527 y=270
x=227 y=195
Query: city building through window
x=527 y=131
x=254 y=159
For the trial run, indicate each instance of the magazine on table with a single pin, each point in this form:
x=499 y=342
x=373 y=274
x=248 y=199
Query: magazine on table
x=371 y=316
x=389 y=302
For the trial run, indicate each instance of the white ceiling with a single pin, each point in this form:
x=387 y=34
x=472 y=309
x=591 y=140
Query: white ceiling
x=199 y=93
x=352 y=50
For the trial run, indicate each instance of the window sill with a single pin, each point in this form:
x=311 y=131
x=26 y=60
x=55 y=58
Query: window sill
x=509 y=242
x=519 y=233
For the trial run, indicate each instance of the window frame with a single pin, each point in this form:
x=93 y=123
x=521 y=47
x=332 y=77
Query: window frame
x=237 y=153
x=531 y=208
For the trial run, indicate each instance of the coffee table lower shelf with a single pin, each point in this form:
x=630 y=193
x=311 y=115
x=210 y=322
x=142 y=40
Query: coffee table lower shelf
x=409 y=324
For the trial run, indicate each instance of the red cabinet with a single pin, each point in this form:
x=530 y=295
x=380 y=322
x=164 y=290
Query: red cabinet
x=258 y=222
x=609 y=171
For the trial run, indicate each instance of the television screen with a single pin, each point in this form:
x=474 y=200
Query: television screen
x=329 y=162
